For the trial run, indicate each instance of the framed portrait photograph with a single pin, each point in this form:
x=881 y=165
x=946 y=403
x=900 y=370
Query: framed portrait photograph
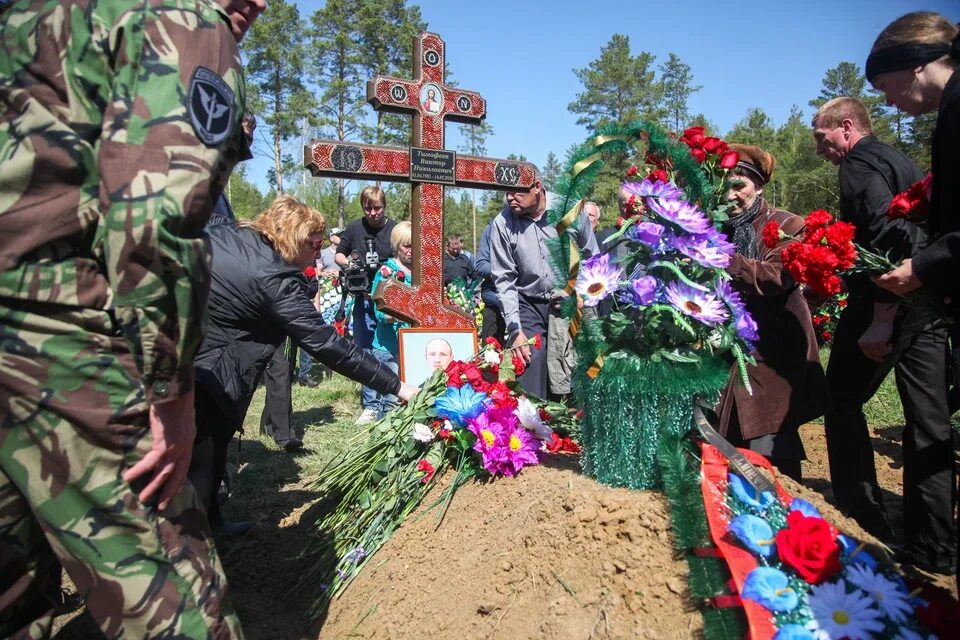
x=422 y=351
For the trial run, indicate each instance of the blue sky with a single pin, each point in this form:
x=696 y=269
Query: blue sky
x=520 y=55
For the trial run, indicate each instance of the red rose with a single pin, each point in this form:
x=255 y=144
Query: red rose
x=454 y=373
x=310 y=272
x=475 y=377
x=818 y=218
x=693 y=136
x=817 y=321
x=632 y=171
x=827 y=336
x=538 y=341
x=494 y=343
x=698 y=154
x=729 y=160
x=427 y=469
x=900 y=206
x=809 y=546
x=658 y=175
x=712 y=145
x=771 y=234
x=544 y=414
x=444 y=434
x=842 y=303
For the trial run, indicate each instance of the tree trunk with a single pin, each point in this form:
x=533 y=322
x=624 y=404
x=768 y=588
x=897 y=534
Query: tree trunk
x=277 y=164
x=473 y=192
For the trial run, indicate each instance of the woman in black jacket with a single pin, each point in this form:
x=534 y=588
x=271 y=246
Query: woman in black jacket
x=914 y=63
x=259 y=296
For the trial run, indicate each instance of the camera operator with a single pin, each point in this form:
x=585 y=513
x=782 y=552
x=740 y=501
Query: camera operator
x=369 y=237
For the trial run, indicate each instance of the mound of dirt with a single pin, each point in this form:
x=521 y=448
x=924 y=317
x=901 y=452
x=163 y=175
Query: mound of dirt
x=550 y=554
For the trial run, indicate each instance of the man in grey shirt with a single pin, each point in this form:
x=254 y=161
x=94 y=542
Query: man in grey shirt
x=523 y=275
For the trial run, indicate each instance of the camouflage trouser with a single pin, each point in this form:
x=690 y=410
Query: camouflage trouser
x=72 y=420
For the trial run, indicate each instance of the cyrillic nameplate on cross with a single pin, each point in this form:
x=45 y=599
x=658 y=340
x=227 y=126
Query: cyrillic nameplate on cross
x=433 y=165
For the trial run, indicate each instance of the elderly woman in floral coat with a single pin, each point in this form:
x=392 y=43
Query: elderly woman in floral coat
x=788 y=382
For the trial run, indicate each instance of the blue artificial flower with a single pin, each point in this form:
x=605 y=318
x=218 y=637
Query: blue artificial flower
x=746 y=494
x=804 y=507
x=755 y=534
x=709 y=249
x=852 y=552
x=794 y=632
x=770 y=588
x=461 y=404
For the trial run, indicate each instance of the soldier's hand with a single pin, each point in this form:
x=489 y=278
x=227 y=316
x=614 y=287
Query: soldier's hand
x=173 y=427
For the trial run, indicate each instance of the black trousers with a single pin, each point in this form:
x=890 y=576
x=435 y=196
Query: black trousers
x=209 y=461
x=493 y=323
x=277 y=417
x=534 y=316
x=920 y=361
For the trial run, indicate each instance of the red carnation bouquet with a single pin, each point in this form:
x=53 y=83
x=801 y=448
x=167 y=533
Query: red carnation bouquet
x=914 y=203
x=825 y=251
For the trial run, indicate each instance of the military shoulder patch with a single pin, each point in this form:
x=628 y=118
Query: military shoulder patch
x=210 y=105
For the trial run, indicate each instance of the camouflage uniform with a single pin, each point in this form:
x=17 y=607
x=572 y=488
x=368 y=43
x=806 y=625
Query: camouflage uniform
x=119 y=125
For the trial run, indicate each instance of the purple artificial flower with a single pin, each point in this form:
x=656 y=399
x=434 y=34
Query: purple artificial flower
x=700 y=305
x=743 y=322
x=703 y=249
x=597 y=279
x=640 y=292
x=519 y=450
x=681 y=213
x=649 y=233
x=653 y=189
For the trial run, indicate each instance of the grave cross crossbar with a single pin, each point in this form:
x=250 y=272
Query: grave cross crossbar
x=428 y=166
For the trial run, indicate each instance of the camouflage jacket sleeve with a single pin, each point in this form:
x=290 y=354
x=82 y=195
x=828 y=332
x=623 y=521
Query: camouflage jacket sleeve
x=170 y=136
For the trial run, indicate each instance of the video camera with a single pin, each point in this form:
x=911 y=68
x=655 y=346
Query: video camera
x=358 y=273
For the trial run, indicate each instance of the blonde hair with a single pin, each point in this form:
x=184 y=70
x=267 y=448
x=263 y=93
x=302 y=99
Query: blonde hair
x=918 y=27
x=287 y=224
x=835 y=111
x=372 y=194
x=400 y=235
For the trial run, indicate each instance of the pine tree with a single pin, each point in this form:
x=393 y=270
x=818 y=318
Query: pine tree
x=276 y=59
x=551 y=171
x=676 y=79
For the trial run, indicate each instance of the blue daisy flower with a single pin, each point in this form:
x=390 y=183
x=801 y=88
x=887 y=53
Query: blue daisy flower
x=754 y=533
x=804 y=507
x=461 y=404
x=746 y=494
x=770 y=588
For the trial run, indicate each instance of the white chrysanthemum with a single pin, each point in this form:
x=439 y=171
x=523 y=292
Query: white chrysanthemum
x=890 y=598
x=529 y=417
x=838 y=614
x=422 y=433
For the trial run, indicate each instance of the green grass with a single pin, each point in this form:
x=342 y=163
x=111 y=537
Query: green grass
x=324 y=415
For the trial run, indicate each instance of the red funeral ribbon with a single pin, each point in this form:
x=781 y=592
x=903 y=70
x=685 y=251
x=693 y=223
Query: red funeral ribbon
x=713 y=485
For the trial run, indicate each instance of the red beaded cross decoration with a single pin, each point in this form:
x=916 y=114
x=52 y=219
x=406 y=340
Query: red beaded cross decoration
x=429 y=167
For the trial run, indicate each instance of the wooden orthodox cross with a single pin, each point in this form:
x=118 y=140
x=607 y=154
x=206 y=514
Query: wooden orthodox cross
x=429 y=167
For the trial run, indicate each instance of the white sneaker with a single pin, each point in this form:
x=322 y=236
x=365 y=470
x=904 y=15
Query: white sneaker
x=368 y=416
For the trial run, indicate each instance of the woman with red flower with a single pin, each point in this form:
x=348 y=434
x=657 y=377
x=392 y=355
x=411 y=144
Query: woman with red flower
x=787 y=358
x=914 y=62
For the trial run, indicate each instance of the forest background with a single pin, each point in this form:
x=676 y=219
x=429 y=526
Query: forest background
x=307 y=79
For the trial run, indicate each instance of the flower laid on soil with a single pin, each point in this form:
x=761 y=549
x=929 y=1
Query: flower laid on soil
x=472 y=417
